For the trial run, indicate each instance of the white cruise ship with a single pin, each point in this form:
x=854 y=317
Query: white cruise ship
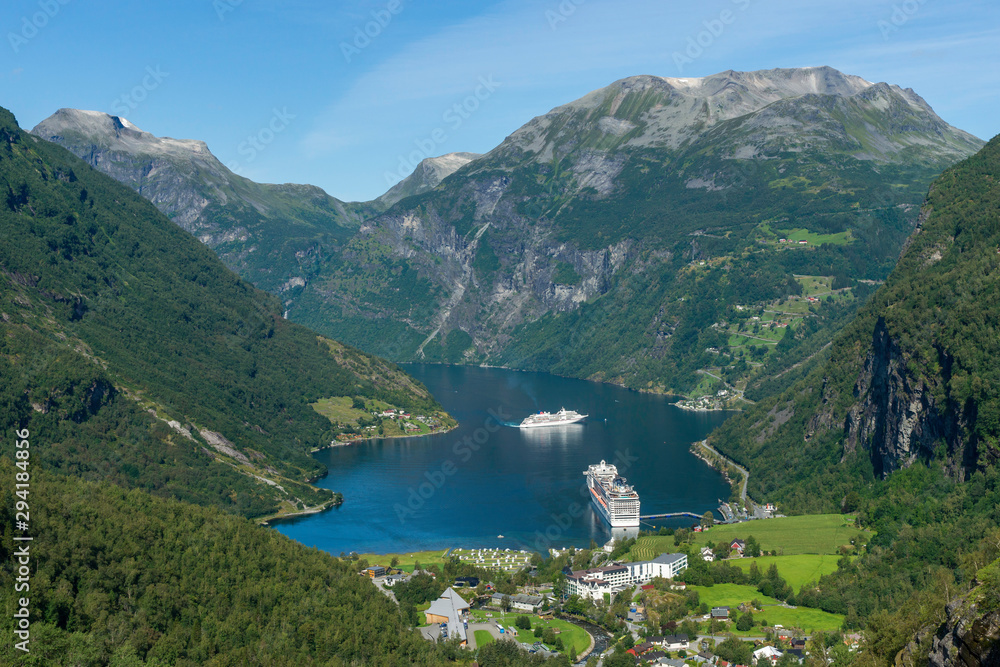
x=564 y=416
x=615 y=500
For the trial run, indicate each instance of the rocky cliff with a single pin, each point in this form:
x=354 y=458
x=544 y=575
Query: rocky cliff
x=914 y=377
x=428 y=174
x=270 y=234
x=587 y=225
x=611 y=238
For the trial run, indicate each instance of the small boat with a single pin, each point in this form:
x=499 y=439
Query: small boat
x=499 y=537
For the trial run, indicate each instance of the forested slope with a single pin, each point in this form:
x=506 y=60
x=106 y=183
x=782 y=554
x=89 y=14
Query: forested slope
x=901 y=425
x=140 y=358
x=119 y=576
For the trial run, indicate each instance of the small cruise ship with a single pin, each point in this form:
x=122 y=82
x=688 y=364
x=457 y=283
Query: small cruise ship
x=564 y=416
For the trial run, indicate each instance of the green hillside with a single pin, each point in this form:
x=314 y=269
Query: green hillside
x=113 y=315
x=122 y=578
x=901 y=423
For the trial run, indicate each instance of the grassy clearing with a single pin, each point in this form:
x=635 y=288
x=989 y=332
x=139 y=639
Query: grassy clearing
x=796 y=570
x=732 y=595
x=812 y=238
x=572 y=636
x=483 y=637
x=810 y=620
x=813 y=534
x=339 y=409
x=406 y=561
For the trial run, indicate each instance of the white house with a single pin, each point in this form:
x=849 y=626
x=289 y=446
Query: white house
x=706 y=554
x=768 y=652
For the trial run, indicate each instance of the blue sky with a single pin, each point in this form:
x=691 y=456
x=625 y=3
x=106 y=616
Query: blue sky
x=297 y=92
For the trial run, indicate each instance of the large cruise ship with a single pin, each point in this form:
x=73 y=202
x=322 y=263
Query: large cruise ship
x=564 y=416
x=616 y=501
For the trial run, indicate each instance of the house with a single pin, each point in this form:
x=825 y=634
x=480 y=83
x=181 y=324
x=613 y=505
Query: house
x=643 y=647
x=394 y=579
x=375 y=571
x=768 y=652
x=466 y=582
x=738 y=546
x=707 y=554
x=675 y=642
x=654 y=656
x=720 y=612
x=803 y=242
x=450 y=609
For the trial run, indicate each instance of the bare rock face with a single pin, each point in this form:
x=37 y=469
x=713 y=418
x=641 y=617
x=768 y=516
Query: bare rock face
x=968 y=638
x=896 y=417
x=428 y=174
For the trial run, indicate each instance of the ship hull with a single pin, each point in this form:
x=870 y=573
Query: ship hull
x=613 y=521
x=561 y=422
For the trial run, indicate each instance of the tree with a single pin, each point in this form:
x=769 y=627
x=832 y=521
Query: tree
x=707 y=520
x=394 y=562
x=752 y=549
x=745 y=622
x=505 y=603
x=523 y=623
x=735 y=651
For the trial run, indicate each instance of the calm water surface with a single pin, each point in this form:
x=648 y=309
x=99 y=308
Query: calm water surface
x=484 y=479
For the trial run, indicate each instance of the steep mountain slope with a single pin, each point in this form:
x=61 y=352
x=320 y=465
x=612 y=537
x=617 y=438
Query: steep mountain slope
x=605 y=238
x=913 y=378
x=426 y=176
x=144 y=360
x=269 y=234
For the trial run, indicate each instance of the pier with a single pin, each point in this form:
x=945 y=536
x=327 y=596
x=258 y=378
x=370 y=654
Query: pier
x=668 y=515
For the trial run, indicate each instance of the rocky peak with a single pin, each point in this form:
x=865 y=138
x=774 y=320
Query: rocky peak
x=428 y=174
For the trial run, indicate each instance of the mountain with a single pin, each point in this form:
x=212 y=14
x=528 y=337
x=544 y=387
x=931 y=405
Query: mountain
x=638 y=235
x=614 y=237
x=900 y=424
x=426 y=176
x=142 y=360
x=912 y=379
x=270 y=234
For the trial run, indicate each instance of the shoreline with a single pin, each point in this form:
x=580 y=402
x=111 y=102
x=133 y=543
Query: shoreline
x=266 y=521
x=358 y=441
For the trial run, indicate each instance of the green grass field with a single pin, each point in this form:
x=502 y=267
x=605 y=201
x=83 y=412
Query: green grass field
x=339 y=409
x=483 y=637
x=572 y=636
x=796 y=570
x=732 y=595
x=813 y=534
x=796 y=235
x=406 y=561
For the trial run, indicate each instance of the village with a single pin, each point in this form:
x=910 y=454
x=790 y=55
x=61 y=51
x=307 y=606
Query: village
x=633 y=595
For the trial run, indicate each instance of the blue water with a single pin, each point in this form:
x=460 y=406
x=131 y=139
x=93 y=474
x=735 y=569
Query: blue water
x=487 y=478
